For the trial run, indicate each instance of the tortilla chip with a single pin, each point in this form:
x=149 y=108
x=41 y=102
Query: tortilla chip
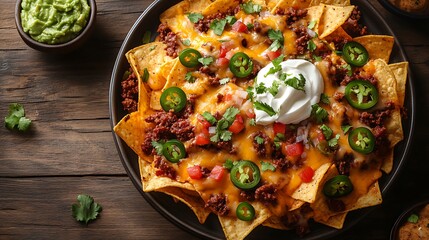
x=332 y=18
x=330 y=2
x=378 y=46
x=220 y=6
x=387 y=82
x=235 y=229
x=275 y=222
x=339 y=33
x=314 y=14
x=400 y=70
x=387 y=164
x=285 y=4
x=130 y=129
x=336 y=221
x=307 y=191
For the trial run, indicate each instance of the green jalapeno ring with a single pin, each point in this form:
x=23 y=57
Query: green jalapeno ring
x=245 y=175
x=245 y=211
x=361 y=94
x=362 y=140
x=338 y=186
x=355 y=54
x=173 y=98
x=189 y=57
x=241 y=65
x=173 y=150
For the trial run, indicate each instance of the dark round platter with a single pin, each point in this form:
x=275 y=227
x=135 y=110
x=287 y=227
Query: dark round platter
x=179 y=213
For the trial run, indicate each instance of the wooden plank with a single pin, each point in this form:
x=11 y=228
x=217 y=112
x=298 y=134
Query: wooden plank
x=40 y=208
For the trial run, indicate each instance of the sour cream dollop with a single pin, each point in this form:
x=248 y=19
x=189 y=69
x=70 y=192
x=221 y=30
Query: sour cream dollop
x=290 y=105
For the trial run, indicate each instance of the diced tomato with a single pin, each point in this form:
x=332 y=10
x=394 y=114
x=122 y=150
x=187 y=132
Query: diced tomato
x=279 y=128
x=227 y=97
x=204 y=123
x=320 y=136
x=250 y=113
x=195 y=172
x=217 y=173
x=239 y=27
x=223 y=50
x=222 y=62
x=237 y=125
x=293 y=150
x=202 y=139
x=306 y=174
x=273 y=55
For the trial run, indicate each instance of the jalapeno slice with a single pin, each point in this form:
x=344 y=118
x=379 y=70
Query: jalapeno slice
x=362 y=140
x=355 y=54
x=245 y=211
x=338 y=186
x=173 y=98
x=241 y=65
x=173 y=150
x=361 y=94
x=189 y=57
x=245 y=175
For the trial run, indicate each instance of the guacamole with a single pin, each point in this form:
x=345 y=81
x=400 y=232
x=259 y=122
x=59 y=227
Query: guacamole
x=54 y=21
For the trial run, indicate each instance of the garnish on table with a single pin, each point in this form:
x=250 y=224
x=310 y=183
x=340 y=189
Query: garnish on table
x=16 y=118
x=86 y=209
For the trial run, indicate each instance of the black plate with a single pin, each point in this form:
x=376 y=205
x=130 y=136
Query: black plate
x=180 y=214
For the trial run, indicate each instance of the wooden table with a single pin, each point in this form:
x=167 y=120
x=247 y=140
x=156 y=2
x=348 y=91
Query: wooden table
x=70 y=149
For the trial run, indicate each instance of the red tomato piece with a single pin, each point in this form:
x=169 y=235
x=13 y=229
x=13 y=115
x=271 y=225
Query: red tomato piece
x=222 y=62
x=306 y=174
x=279 y=128
x=250 y=113
x=237 y=125
x=293 y=150
x=195 y=172
x=203 y=121
x=202 y=139
x=217 y=173
x=320 y=136
x=273 y=55
x=239 y=27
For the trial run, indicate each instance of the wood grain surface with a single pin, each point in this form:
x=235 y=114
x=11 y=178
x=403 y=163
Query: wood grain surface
x=70 y=149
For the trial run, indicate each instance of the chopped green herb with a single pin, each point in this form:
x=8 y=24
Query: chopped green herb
x=267 y=166
x=252 y=122
x=218 y=26
x=205 y=60
x=260 y=88
x=259 y=140
x=250 y=7
x=195 y=17
x=230 y=19
x=274 y=89
x=312 y=24
x=86 y=210
x=222 y=134
x=224 y=81
x=209 y=117
x=278 y=40
x=189 y=78
x=186 y=42
x=264 y=107
x=318 y=113
x=333 y=142
x=158 y=147
x=228 y=164
x=324 y=99
x=250 y=93
x=297 y=83
x=327 y=131
x=276 y=65
x=317 y=58
x=278 y=140
x=250 y=26
x=16 y=118
x=413 y=218
x=346 y=128
x=146 y=37
x=145 y=76
x=311 y=46
x=348 y=67
x=126 y=75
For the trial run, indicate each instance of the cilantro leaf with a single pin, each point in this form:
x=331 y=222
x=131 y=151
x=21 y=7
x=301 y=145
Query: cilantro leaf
x=297 y=83
x=333 y=142
x=209 y=117
x=274 y=89
x=205 y=60
x=276 y=65
x=318 y=113
x=145 y=75
x=230 y=20
x=158 y=147
x=278 y=40
x=16 y=118
x=86 y=210
x=259 y=140
x=327 y=131
x=260 y=88
x=223 y=124
x=189 y=78
x=312 y=24
x=228 y=164
x=250 y=7
x=224 y=81
x=413 y=218
x=218 y=26
x=324 y=99
x=264 y=107
x=250 y=93
x=267 y=166
x=311 y=46
x=146 y=37
x=252 y=122
x=186 y=42
x=346 y=128
x=225 y=135
x=195 y=17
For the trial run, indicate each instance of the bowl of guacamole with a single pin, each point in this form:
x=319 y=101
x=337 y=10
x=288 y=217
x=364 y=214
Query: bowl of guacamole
x=55 y=25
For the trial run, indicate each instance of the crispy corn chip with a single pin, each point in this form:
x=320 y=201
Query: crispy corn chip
x=332 y=18
x=378 y=46
x=400 y=70
x=131 y=130
x=220 y=6
x=307 y=191
x=330 y=2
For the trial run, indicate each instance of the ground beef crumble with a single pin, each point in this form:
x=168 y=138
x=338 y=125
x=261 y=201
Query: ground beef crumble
x=217 y=203
x=163 y=168
x=352 y=26
x=130 y=92
x=266 y=194
x=170 y=39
